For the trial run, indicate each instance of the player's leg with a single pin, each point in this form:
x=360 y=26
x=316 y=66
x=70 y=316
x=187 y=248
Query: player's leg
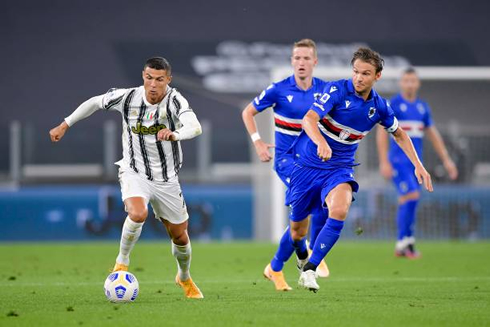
x=287 y=246
x=134 y=194
x=409 y=203
x=318 y=218
x=273 y=271
x=409 y=194
x=299 y=229
x=169 y=206
x=338 y=201
x=182 y=252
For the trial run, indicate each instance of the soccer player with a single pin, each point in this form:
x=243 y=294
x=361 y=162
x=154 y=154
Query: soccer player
x=324 y=153
x=414 y=117
x=156 y=117
x=290 y=99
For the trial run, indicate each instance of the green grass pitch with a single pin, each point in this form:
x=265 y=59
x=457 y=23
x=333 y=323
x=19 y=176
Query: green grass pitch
x=60 y=284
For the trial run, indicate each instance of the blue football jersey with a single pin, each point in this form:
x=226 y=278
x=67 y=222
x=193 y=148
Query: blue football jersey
x=414 y=118
x=345 y=119
x=290 y=104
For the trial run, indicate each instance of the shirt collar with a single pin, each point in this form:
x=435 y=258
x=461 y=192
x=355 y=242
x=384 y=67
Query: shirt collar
x=292 y=81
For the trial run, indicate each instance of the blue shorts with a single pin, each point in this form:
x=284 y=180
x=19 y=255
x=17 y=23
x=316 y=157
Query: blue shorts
x=310 y=186
x=284 y=167
x=404 y=178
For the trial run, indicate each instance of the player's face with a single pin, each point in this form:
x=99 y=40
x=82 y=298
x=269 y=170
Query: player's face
x=410 y=84
x=364 y=76
x=303 y=61
x=155 y=82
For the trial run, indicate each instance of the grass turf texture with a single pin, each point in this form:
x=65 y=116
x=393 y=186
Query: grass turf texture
x=60 y=284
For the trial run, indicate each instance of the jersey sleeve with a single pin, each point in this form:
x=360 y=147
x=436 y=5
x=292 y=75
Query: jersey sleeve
x=330 y=98
x=266 y=99
x=113 y=99
x=387 y=117
x=428 y=116
x=178 y=104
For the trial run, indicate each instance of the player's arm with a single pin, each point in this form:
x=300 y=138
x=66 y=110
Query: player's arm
x=405 y=143
x=441 y=151
x=310 y=126
x=83 y=111
x=191 y=127
x=382 y=143
x=262 y=148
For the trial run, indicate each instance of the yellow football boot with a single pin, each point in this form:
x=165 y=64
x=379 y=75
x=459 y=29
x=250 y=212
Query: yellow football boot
x=191 y=290
x=120 y=267
x=277 y=277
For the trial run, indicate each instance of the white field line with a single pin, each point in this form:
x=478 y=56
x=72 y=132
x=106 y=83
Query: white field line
x=245 y=281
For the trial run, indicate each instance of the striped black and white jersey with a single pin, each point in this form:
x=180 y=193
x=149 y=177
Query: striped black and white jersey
x=142 y=152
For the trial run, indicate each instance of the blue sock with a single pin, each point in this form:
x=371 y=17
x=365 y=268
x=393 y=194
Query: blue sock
x=326 y=239
x=317 y=221
x=410 y=212
x=284 y=252
x=405 y=218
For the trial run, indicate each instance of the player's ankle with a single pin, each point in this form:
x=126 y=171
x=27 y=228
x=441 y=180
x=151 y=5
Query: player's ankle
x=309 y=266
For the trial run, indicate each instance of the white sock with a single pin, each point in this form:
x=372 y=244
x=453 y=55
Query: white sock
x=130 y=234
x=182 y=254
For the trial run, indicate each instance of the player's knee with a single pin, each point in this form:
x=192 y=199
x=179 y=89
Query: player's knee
x=180 y=238
x=298 y=234
x=339 y=212
x=412 y=196
x=138 y=215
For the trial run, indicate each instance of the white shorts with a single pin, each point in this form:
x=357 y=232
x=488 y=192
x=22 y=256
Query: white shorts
x=165 y=197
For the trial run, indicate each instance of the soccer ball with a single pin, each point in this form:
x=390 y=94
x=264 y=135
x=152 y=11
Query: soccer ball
x=121 y=286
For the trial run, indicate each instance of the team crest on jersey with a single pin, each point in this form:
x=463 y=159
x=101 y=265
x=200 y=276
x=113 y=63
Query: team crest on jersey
x=403 y=107
x=371 y=112
x=344 y=134
x=421 y=108
x=143 y=130
x=290 y=98
x=133 y=113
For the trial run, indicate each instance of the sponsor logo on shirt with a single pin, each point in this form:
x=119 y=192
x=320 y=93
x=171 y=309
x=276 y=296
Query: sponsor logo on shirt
x=347 y=104
x=143 y=130
x=290 y=98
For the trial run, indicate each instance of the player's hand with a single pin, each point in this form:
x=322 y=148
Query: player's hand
x=386 y=170
x=166 y=135
x=423 y=177
x=324 y=151
x=57 y=133
x=262 y=150
x=451 y=169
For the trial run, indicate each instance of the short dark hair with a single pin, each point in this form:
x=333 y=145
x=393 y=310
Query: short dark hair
x=369 y=56
x=159 y=63
x=409 y=70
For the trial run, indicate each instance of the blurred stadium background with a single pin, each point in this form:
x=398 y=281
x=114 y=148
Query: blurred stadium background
x=57 y=54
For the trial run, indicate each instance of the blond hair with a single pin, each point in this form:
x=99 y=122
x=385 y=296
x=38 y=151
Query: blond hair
x=306 y=43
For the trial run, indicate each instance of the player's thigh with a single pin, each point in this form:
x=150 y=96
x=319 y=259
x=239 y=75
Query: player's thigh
x=304 y=192
x=135 y=194
x=168 y=202
x=339 y=200
x=137 y=208
x=404 y=179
